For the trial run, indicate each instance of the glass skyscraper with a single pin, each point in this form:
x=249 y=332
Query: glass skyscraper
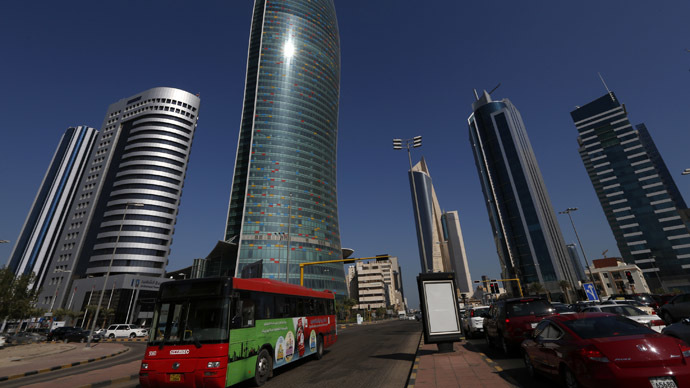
x=528 y=238
x=283 y=203
x=644 y=208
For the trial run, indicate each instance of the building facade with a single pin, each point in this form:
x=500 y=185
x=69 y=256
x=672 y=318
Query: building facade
x=129 y=195
x=433 y=254
x=577 y=265
x=283 y=204
x=528 y=238
x=644 y=208
x=452 y=235
x=38 y=240
x=611 y=277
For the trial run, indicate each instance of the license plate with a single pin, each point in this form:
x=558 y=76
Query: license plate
x=534 y=324
x=176 y=377
x=662 y=382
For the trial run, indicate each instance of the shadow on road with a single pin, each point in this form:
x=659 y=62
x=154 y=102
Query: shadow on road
x=396 y=356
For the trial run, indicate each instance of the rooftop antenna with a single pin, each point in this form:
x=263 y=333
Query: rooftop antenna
x=607 y=88
x=494 y=89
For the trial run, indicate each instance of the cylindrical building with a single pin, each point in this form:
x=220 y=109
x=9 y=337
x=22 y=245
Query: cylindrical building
x=283 y=204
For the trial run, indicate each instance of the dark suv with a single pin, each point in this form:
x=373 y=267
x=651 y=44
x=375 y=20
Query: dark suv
x=510 y=321
x=58 y=334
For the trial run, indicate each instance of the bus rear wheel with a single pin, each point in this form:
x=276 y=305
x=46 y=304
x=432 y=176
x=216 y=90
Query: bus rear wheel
x=319 y=347
x=264 y=366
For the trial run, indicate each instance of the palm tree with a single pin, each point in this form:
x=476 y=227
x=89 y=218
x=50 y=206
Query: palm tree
x=535 y=288
x=565 y=286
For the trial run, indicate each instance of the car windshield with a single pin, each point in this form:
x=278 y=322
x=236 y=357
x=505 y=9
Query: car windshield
x=606 y=326
x=561 y=308
x=529 y=307
x=627 y=311
x=479 y=312
x=194 y=321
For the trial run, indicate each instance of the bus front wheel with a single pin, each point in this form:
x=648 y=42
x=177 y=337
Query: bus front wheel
x=319 y=347
x=264 y=366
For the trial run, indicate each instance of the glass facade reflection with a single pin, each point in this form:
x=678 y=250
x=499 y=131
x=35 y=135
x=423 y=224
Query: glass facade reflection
x=528 y=238
x=287 y=145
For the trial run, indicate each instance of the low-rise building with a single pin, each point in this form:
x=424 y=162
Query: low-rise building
x=613 y=276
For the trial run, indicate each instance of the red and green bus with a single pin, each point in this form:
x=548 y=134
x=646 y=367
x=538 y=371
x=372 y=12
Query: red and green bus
x=216 y=332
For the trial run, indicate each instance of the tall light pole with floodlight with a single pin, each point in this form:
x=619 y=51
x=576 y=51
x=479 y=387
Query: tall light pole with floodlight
x=398 y=145
x=568 y=211
x=107 y=274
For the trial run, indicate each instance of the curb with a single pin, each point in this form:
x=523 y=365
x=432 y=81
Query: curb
x=105 y=383
x=76 y=363
x=412 y=378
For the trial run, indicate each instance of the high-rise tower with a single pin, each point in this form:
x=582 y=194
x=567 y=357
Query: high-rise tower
x=644 y=208
x=139 y=157
x=528 y=238
x=283 y=203
x=49 y=213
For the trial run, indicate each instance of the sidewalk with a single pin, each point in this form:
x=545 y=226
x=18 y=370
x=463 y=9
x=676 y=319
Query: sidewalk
x=24 y=360
x=461 y=368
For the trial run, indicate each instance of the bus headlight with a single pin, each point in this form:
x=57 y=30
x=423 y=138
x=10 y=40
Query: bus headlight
x=213 y=364
x=144 y=365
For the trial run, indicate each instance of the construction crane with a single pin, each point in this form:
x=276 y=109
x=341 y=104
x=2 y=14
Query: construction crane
x=604 y=253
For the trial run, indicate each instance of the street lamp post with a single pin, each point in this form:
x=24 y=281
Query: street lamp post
x=57 y=289
x=107 y=274
x=398 y=145
x=568 y=211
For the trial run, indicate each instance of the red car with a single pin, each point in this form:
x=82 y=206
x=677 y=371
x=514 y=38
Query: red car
x=606 y=350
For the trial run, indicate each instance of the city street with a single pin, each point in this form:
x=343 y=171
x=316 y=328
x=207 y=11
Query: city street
x=376 y=355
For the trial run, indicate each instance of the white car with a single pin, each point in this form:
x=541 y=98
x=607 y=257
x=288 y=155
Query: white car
x=472 y=321
x=631 y=302
x=650 y=320
x=125 y=330
x=2 y=341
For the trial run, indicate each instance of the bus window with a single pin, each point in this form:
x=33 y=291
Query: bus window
x=265 y=306
x=175 y=321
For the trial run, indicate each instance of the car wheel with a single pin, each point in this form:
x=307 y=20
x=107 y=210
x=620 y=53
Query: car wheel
x=528 y=365
x=132 y=335
x=667 y=317
x=264 y=366
x=111 y=336
x=319 y=347
x=569 y=379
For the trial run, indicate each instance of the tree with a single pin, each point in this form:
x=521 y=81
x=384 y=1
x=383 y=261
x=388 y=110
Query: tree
x=535 y=288
x=565 y=286
x=17 y=298
x=344 y=308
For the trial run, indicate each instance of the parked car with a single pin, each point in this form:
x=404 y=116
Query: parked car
x=583 y=304
x=472 y=321
x=58 y=334
x=680 y=330
x=676 y=309
x=509 y=321
x=644 y=298
x=24 y=337
x=652 y=321
x=605 y=350
x=80 y=335
x=562 y=308
x=3 y=340
x=630 y=302
x=125 y=330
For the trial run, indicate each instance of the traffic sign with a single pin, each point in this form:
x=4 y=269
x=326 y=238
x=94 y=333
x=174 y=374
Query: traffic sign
x=591 y=292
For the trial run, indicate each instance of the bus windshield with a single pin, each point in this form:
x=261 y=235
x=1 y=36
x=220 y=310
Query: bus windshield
x=191 y=321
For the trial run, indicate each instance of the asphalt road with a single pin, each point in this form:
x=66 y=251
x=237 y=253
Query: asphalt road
x=136 y=352
x=513 y=367
x=379 y=355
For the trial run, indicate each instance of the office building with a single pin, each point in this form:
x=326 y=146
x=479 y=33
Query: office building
x=439 y=234
x=528 y=238
x=575 y=261
x=646 y=213
x=128 y=195
x=283 y=203
x=452 y=237
x=38 y=240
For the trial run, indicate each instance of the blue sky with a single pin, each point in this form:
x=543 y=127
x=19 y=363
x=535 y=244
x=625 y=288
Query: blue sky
x=408 y=68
